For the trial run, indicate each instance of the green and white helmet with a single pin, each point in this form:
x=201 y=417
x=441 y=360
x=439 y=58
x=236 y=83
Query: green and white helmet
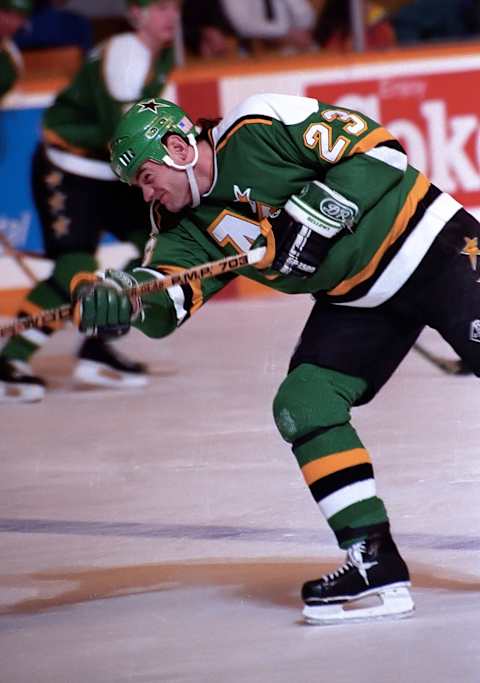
x=139 y=138
x=21 y=6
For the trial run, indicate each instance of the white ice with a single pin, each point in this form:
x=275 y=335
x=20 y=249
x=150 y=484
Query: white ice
x=164 y=534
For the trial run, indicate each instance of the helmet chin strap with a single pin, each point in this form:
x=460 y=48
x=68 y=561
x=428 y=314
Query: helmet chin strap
x=188 y=168
x=192 y=181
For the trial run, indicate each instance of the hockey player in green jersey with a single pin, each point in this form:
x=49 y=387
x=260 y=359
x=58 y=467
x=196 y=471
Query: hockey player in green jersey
x=13 y=14
x=345 y=218
x=78 y=197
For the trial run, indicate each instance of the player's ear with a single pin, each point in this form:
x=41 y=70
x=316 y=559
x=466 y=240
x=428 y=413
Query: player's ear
x=178 y=148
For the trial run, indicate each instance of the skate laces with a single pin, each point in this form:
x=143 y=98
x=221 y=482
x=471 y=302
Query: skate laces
x=354 y=561
x=338 y=572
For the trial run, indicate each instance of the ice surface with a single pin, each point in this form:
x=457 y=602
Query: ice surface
x=164 y=534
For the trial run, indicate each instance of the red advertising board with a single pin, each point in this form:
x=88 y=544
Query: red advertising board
x=428 y=98
x=435 y=116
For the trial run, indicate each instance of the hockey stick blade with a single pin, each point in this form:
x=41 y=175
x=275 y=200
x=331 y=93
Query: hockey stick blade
x=211 y=269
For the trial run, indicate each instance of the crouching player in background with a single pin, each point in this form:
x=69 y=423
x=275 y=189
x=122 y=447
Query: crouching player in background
x=78 y=197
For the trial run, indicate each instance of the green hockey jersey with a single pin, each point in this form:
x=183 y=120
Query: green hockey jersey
x=79 y=124
x=267 y=149
x=10 y=65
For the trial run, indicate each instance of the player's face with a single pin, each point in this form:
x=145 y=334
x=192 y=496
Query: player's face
x=161 y=21
x=10 y=22
x=167 y=185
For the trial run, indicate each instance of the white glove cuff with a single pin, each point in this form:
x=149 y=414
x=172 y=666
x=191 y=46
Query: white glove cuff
x=330 y=213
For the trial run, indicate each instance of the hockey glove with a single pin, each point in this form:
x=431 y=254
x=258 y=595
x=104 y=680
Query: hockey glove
x=101 y=304
x=308 y=226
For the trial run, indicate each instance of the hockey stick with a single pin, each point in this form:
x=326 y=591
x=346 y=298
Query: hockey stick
x=450 y=367
x=18 y=257
x=194 y=274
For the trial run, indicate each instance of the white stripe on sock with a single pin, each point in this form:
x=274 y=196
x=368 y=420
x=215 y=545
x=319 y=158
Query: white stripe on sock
x=348 y=495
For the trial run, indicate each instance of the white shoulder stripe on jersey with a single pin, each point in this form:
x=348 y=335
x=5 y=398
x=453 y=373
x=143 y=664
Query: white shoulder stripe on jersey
x=392 y=157
x=127 y=62
x=175 y=293
x=288 y=109
x=412 y=252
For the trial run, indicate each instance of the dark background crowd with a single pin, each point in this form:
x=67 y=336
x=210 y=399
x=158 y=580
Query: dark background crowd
x=228 y=28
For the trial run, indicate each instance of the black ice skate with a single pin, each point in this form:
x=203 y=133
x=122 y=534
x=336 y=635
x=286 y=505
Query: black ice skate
x=18 y=384
x=100 y=366
x=374 y=571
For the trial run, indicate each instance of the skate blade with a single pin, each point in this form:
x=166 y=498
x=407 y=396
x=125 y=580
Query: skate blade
x=90 y=374
x=395 y=602
x=21 y=393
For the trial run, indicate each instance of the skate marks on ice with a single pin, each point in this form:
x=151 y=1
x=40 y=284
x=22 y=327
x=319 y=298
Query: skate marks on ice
x=208 y=532
x=262 y=581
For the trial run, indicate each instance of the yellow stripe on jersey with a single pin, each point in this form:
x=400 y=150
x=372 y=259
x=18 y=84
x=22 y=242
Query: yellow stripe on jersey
x=245 y=122
x=328 y=464
x=417 y=193
x=53 y=138
x=196 y=287
x=371 y=140
x=31 y=308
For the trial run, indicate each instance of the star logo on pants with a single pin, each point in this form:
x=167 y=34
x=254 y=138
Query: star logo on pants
x=61 y=226
x=57 y=202
x=54 y=179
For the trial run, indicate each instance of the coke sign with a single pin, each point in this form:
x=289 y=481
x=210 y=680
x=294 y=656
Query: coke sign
x=435 y=116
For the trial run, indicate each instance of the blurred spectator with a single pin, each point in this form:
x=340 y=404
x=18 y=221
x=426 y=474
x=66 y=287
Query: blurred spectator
x=427 y=20
x=107 y=17
x=97 y=8
x=285 y=24
x=206 y=31
x=333 y=31
x=13 y=13
x=218 y=28
x=50 y=25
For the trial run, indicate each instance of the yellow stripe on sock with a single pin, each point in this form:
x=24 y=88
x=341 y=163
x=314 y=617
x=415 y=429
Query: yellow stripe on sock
x=317 y=469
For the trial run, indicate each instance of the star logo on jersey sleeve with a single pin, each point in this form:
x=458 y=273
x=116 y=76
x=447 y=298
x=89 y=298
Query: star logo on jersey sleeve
x=471 y=250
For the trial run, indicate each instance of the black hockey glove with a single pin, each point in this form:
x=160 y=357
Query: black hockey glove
x=101 y=304
x=308 y=226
